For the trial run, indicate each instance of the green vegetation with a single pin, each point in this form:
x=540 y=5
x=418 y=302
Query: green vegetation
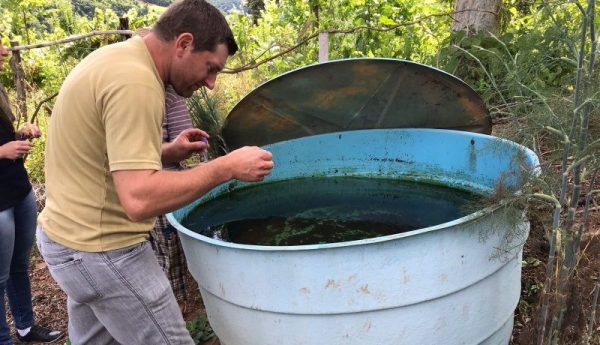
x=200 y=329
x=88 y=7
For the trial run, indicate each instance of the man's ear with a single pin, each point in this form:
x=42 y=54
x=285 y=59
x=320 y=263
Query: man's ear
x=183 y=42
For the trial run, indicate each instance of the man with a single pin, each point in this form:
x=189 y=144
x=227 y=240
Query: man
x=104 y=179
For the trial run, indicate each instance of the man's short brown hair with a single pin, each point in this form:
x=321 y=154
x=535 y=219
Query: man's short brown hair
x=201 y=19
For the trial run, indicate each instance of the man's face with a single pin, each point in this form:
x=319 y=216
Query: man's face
x=193 y=70
x=3 y=54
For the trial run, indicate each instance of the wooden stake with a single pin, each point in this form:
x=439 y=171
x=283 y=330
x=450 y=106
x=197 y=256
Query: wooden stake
x=19 y=78
x=71 y=39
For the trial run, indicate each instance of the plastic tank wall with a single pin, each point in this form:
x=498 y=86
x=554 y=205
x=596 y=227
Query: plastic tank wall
x=453 y=283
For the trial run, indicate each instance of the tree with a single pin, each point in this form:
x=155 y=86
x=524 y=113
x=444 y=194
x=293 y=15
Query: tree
x=254 y=8
x=472 y=20
x=477 y=16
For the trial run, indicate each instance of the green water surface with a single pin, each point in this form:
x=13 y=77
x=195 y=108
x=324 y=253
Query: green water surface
x=327 y=210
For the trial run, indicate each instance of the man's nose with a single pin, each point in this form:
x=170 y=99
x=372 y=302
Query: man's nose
x=210 y=81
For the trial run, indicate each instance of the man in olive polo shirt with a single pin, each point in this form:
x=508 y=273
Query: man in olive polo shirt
x=104 y=179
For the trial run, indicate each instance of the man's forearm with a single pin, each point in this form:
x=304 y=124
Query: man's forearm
x=146 y=193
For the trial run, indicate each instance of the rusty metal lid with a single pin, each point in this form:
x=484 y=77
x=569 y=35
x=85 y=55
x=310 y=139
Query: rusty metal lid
x=353 y=94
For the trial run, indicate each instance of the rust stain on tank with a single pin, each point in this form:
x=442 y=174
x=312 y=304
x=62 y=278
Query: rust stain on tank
x=331 y=283
x=326 y=98
x=304 y=291
x=405 y=276
x=465 y=312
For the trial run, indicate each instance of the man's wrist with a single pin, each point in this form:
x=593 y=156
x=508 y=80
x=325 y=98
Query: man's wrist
x=166 y=153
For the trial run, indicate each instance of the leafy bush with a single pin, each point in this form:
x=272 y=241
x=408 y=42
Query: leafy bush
x=35 y=161
x=532 y=54
x=200 y=329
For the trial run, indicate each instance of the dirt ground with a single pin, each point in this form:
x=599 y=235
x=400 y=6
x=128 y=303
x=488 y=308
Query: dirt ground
x=50 y=302
x=535 y=256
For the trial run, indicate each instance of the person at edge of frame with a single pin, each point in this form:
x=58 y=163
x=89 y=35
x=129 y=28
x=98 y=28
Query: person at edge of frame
x=163 y=237
x=104 y=181
x=18 y=215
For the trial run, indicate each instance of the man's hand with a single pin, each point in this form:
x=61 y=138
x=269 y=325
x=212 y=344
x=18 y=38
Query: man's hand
x=187 y=142
x=15 y=149
x=249 y=163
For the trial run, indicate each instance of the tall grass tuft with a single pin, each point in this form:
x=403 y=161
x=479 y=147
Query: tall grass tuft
x=205 y=115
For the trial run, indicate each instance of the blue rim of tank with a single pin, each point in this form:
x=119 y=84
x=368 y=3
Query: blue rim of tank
x=463 y=220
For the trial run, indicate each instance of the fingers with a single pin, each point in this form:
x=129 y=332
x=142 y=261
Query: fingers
x=195 y=134
x=267 y=164
x=30 y=131
x=188 y=142
x=251 y=163
x=266 y=155
x=262 y=171
x=261 y=174
x=34 y=131
x=17 y=149
x=197 y=146
x=23 y=147
x=257 y=151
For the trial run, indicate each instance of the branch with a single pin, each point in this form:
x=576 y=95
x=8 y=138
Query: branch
x=71 y=39
x=256 y=64
x=37 y=109
x=340 y=31
x=591 y=209
x=547 y=198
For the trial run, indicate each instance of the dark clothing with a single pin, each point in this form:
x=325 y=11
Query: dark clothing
x=14 y=185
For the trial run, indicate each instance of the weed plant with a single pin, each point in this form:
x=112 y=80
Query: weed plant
x=542 y=90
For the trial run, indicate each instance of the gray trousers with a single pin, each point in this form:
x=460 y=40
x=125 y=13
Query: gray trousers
x=116 y=297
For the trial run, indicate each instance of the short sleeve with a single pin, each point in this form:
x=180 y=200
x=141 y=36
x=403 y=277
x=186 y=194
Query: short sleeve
x=132 y=116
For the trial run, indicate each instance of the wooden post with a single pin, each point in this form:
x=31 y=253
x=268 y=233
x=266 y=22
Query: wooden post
x=323 y=46
x=19 y=79
x=124 y=25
